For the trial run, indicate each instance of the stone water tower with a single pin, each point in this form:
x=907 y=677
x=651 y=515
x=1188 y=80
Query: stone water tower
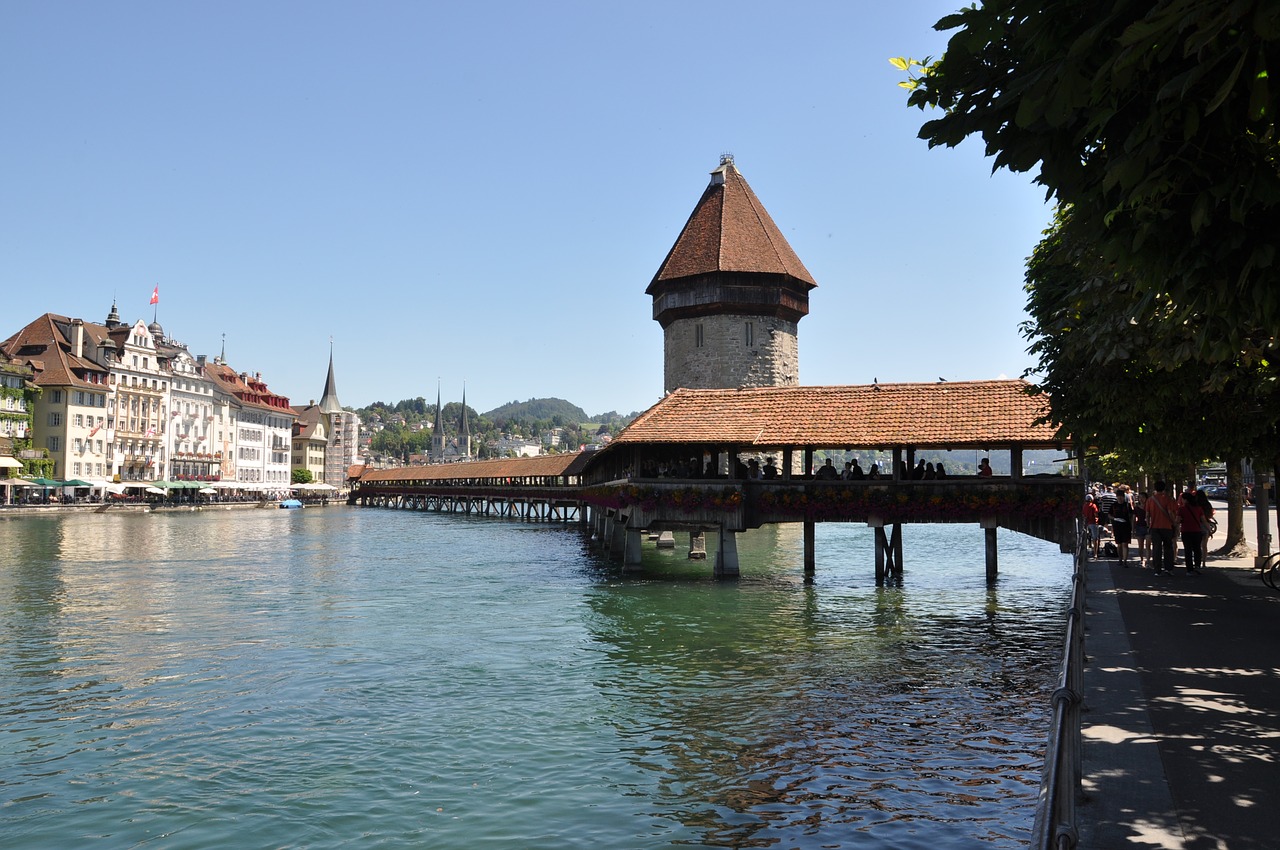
x=730 y=294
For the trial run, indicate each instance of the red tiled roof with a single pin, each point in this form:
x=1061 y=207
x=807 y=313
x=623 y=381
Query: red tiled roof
x=960 y=414
x=516 y=467
x=56 y=365
x=730 y=231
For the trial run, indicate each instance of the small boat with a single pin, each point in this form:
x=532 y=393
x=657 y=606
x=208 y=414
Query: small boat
x=291 y=503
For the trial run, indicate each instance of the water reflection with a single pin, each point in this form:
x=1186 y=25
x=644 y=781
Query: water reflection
x=831 y=712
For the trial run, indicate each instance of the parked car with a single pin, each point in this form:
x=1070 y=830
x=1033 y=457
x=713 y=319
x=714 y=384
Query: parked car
x=1216 y=491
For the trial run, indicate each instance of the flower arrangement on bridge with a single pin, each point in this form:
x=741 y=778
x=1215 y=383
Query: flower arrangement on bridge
x=686 y=500
x=901 y=505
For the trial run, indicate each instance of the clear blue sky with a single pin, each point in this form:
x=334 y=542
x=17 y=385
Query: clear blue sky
x=481 y=192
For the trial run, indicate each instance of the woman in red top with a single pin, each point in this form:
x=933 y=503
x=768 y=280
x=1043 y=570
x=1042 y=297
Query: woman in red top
x=1091 y=523
x=1162 y=517
x=1191 y=518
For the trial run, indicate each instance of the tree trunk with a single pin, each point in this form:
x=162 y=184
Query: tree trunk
x=1235 y=545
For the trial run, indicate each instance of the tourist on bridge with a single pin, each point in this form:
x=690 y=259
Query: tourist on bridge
x=770 y=469
x=984 y=468
x=874 y=474
x=917 y=474
x=828 y=472
x=855 y=471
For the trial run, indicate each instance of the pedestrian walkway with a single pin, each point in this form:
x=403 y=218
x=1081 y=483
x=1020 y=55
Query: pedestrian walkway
x=1182 y=709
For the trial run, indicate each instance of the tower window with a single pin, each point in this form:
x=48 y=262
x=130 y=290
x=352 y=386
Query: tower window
x=697 y=335
x=750 y=336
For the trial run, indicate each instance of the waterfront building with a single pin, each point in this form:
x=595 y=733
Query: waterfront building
x=69 y=420
x=17 y=399
x=263 y=427
x=137 y=402
x=194 y=403
x=730 y=294
x=310 y=440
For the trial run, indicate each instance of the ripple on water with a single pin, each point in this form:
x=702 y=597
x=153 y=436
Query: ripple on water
x=482 y=683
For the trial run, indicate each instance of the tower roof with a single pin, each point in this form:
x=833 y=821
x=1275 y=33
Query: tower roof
x=730 y=231
x=329 y=399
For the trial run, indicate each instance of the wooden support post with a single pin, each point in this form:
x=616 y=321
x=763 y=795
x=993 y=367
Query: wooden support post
x=786 y=465
x=1015 y=463
x=897 y=463
x=809 y=556
x=895 y=544
x=697 y=546
x=882 y=544
x=989 y=525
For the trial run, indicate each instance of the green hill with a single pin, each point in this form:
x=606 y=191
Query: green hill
x=538 y=409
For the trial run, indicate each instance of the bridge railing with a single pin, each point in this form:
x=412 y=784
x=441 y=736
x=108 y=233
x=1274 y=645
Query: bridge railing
x=1060 y=784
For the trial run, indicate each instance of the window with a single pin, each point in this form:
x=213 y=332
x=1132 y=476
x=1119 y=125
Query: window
x=55 y=397
x=55 y=419
x=79 y=446
x=697 y=335
x=79 y=421
x=54 y=444
x=750 y=336
x=75 y=469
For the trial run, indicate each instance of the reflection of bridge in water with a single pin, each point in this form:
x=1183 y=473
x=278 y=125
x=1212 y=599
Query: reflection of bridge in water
x=708 y=435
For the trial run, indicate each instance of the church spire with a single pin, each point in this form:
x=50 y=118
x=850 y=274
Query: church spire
x=329 y=403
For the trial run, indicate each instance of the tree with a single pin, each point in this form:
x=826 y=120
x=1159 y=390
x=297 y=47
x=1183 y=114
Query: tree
x=1155 y=122
x=301 y=476
x=1154 y=416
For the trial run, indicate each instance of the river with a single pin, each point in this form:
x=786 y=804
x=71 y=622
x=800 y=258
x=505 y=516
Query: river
x=363 y=677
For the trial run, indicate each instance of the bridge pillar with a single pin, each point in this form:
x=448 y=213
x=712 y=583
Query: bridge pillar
x=697 y=546
x=631 y=553
x=666 y=540
x=810 y=558
x=989 y=525
x=727 y=555
x=617 y=540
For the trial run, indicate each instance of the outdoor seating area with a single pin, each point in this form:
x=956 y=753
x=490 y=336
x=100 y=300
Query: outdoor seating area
x=52 y=492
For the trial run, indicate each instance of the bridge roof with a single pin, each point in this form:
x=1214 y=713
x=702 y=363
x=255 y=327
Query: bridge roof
x=516 y=467
x=947 y=414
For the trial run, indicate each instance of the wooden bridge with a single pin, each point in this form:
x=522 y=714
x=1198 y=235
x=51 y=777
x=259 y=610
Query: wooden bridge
x=683 y=465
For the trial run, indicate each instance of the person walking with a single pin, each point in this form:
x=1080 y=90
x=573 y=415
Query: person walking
x=1140 y=528
x=1090 y=514
x=1122 y=522
x=1162 y=517
x=1192 y=520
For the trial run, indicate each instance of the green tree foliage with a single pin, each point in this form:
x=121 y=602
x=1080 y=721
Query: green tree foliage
x=301 y=476
x=1155 y=122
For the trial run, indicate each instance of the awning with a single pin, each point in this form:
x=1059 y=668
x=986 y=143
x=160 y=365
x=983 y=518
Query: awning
x=10 y=463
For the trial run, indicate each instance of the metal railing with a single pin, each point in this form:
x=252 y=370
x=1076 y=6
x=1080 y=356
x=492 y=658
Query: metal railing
x=1060 y=784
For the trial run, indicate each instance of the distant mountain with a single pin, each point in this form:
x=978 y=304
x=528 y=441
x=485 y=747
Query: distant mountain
x=538 y=408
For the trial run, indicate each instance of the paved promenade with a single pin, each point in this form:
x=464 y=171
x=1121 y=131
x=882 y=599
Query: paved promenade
x=1182 y=695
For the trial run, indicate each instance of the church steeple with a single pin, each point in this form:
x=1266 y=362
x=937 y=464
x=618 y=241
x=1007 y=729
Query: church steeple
x=437 y=430
x=464 y=429
x=329 y=403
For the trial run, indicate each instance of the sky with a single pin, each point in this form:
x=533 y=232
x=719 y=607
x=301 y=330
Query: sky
x=477 y=194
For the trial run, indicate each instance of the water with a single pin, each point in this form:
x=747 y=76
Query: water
x=362 y=677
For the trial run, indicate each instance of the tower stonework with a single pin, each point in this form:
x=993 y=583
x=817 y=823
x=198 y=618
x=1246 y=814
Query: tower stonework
x=730 y=294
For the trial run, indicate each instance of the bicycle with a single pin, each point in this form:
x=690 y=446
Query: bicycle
x=1271 y=571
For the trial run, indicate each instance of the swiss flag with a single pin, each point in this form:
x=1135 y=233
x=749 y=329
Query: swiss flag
x=155 y=295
